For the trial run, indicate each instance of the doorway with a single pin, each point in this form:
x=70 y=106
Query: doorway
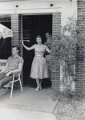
x=34 y=25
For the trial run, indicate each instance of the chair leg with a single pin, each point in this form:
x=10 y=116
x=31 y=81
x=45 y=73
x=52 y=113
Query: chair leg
x=20 y=85
x=11 y=89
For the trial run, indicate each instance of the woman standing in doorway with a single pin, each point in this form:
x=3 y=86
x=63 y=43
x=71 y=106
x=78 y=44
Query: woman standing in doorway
x=39 y=67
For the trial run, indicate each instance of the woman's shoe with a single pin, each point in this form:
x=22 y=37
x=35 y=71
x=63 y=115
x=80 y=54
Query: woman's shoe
x=40 y=88
x=37 y=89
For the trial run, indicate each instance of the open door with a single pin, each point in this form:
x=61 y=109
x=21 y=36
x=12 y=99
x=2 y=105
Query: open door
x=34 y=25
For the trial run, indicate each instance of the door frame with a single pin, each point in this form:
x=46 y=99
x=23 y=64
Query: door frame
x=22 y=30
x=38 y=11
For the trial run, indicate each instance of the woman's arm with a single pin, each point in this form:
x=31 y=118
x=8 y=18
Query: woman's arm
x=27 y=48
x=48 y=50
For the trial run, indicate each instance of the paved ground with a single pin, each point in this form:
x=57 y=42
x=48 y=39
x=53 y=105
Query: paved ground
x=29 y=100
x=29 y=105
x=14 y=114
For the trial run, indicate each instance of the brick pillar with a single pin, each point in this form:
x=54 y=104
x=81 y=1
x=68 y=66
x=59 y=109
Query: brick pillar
x=15 y=29
x=56 y=28
x=80 y=66
x=20 y=34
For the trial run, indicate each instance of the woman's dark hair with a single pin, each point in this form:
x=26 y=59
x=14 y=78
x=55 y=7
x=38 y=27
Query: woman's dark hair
x=38 y=36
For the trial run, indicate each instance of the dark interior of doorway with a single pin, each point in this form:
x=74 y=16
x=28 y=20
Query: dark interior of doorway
x=5 y=44
x=34 y=25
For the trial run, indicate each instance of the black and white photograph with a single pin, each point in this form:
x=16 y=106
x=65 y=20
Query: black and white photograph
x=42 y=59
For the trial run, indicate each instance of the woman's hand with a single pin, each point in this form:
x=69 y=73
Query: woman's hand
x=26 y=47
x=25 y=40
x=22 y=42
x=28 y=40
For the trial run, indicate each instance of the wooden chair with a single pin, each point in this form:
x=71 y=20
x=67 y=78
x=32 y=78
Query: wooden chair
x=16 y=77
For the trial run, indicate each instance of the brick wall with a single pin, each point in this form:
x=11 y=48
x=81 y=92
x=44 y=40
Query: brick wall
x=56 y=28
x=20 y=35
x=16 y=28
x=80 y=66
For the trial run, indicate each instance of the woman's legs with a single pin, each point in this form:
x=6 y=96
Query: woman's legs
x=38 y=84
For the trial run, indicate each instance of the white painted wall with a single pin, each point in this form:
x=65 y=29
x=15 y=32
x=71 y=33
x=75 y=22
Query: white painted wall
x=66 y=8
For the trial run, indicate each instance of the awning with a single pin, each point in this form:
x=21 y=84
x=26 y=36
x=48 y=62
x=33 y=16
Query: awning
x=5 y=32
